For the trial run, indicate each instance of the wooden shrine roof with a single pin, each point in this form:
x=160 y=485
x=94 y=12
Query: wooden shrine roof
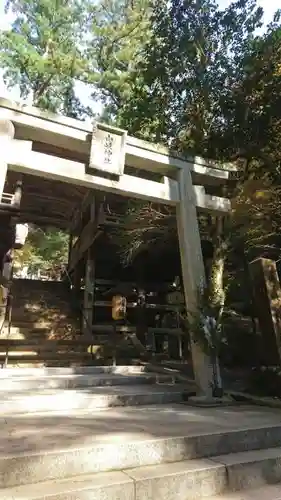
x=46 y=202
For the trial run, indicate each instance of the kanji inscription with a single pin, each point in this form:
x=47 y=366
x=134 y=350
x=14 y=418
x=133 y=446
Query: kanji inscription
x=108 y=150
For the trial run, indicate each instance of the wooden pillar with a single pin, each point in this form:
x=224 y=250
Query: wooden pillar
x=193 y=273
x=89 y=292
x=66 y=277
x=7 y=132
x=76 y=283
x=88 y=305
x=70 y=241
x=141 y=326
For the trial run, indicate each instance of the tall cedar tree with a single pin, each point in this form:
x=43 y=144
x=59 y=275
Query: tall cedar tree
x=43 y=53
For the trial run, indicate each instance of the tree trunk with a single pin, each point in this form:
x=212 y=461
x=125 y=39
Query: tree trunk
x=216 y=298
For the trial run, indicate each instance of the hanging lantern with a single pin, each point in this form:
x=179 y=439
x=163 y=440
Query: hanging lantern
x=119 y=307
x=21 y=235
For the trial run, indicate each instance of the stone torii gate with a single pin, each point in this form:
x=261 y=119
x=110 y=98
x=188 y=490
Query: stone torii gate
x=64 y=149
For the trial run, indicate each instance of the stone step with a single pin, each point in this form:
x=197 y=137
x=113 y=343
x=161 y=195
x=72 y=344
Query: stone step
x=62 y=350
x=40 y=383
x=51 y=344
x=94 y=398
x=39 y=333
x=82 y=370
x=37 y=325
x=24 y=314
x=35 y=313
x=25 y=289
x=16 y=360
x=94 y=352
x=197 y=479
x=47 y=345
x=26 y=308
x=48 y=446
x=29 y=331
x=269 y=492
x=38 y=295
x=63 y=362
x=38 y=321
x=46 y=355
x=104 y=486
x=191 y=480
x=40 y=301
x=25 y=282
x=252 y=469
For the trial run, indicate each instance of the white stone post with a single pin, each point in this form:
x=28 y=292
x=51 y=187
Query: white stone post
x=7 y=132
x=193 y=273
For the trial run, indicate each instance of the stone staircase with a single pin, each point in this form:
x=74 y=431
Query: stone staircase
x=109 y=433
x=45 y=330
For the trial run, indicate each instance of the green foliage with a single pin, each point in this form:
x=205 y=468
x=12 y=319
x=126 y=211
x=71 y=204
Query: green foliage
x=253 y=109
x=215 y=90
x=196 y=62
x=43 y=53
x=119 y=32
x=44 y=250
x=182 y=67
x=147 y=226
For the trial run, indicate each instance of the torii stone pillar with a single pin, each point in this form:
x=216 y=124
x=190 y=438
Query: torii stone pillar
x=267 y=294
x=7 y=132
x=193 y=274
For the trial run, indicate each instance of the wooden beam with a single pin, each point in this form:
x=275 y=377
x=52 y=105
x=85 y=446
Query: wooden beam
x=87 y=200
x=89 y=291
x=88 y=235
x=134 y=305
x=74 y=135
x=88 y=303
x=110 y=328
x=83 y=243
x=76 y=222
x=157 y=287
